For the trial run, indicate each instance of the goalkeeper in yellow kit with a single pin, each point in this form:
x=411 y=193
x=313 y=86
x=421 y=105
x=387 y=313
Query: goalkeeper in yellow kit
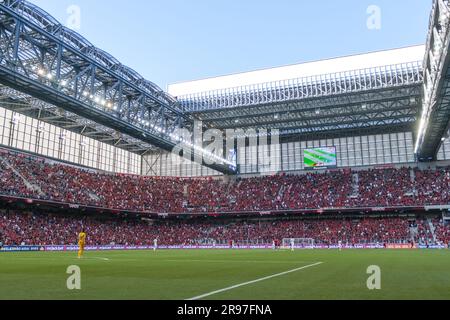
x=81 y=244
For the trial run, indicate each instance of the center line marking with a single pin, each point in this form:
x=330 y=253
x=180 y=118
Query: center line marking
x=253 y=281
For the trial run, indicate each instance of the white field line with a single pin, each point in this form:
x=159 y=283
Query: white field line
x=254 y=281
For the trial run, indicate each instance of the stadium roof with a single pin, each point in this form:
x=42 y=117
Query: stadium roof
x=369 y=93
x=46 y=61
x=315 y=68
x=434 y=124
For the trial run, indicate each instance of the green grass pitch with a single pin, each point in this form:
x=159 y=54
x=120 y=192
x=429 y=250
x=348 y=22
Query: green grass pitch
x=148 y=275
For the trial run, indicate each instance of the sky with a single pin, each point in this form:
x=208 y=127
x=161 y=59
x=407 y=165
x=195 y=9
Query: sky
x=171 y=41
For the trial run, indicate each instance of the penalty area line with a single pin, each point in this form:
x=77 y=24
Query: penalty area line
x=253 y=281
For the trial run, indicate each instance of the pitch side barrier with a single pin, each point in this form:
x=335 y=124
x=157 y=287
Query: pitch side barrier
x=218 y=247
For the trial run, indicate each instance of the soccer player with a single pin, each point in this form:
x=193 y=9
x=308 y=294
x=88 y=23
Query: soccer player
x=340 y=245
x=81 y=244
x=155 y=244
x=292 y=244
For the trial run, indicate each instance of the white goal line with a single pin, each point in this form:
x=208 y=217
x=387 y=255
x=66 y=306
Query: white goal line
x=254 y=281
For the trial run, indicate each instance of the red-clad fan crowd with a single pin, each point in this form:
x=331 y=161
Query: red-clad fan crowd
x=442 y=231
x=27 y=176
x=36 y=229
x=433 y=231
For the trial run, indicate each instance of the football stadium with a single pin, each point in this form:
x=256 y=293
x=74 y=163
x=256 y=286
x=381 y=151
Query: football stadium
x=325 y=180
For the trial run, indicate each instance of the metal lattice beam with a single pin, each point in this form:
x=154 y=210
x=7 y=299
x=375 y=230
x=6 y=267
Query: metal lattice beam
x=42 y=58
x=395 y=106
x=434 y=123
x=42 y=111
x=329 y=85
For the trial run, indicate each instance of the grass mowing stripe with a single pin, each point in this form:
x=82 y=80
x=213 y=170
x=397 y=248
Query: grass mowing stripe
x=253 y=281
x=309 y=162
x=237 y=261
x=327 y=154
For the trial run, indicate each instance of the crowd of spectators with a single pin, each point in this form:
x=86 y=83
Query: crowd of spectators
x=37 y=229
x=442 y=231
x=26 y=176
x=433 y=231
x=387 y=187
